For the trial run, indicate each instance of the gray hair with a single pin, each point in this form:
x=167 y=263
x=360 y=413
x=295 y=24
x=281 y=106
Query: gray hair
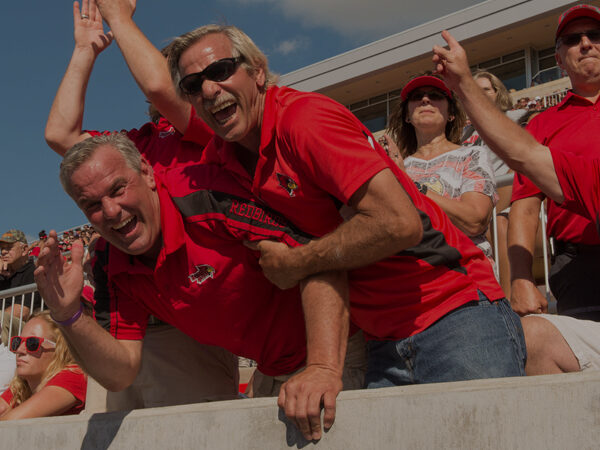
x=242 y=46
x=82 y=151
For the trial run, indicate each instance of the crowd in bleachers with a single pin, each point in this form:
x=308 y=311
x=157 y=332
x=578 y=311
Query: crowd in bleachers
x=217 y=230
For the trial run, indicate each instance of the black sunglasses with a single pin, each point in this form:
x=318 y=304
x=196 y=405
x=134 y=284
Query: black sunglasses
x=32 y=343
x=417 y=96
x=573 y=39
x=218 y=71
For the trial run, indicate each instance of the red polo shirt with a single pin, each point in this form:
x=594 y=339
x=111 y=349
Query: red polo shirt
x=207 y=285
x=571 y=125
x=314 y=155
x=163 y=146
x=579 y=179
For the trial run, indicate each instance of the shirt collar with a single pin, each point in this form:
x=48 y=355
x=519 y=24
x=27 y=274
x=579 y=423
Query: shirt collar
x=571 y=97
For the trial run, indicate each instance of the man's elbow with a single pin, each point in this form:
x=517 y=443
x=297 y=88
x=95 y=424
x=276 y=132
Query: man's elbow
x=407 y=231
x=120 y=383
x=55 y=141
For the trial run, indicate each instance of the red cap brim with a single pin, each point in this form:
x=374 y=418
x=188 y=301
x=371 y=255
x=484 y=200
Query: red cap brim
x=425 y=80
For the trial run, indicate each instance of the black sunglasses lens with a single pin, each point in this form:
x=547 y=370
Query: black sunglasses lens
x=220 y=71
x=217 y=71
x=192 y=83
x=435 y=95
x=32 y=344
x=431 y=95
x=571 y=39
x=593 y=36
x=15 y=342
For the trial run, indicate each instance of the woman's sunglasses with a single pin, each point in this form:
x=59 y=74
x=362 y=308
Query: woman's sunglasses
x=417 y=96
x=218 y=71
x=32 y=343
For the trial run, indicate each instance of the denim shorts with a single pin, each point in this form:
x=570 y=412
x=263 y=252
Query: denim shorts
x=480 y=339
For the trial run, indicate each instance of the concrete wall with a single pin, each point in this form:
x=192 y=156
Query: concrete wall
x=550 y=412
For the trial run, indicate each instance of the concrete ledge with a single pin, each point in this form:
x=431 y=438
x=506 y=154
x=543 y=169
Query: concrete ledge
x=549 y=412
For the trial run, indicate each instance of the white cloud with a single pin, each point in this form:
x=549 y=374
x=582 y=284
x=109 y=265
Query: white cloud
x=291 y=45
x=360 y=18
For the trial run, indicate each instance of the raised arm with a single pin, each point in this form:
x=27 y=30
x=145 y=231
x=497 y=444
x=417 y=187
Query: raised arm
x=113 y=363
x=64 y=125
x=147 y=65
x=514 y=145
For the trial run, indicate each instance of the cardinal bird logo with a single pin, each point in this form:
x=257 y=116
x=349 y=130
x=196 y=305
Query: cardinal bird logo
x=203 y=272
x=288 y=184
x=166 y=133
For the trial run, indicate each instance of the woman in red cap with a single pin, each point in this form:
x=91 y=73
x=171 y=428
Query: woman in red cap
x=424 y=135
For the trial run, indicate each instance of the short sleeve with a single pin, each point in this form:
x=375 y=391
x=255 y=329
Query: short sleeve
x=73 y=380
x=332 y=147
x=579 y=179
x=478 y=173
x=7 y=396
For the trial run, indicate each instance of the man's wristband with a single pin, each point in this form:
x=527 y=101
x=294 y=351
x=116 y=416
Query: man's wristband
x=421 y=187
x=74 y=317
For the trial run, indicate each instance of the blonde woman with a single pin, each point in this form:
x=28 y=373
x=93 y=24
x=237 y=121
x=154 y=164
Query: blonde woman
x=47 y=381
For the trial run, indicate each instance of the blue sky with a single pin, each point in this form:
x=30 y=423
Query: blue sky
x=38 y=41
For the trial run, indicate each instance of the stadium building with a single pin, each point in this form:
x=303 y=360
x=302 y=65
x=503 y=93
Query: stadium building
x=514 y=39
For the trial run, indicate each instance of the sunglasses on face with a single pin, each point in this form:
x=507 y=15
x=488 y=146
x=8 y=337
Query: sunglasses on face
x=573 y=39
x=32 y=343
x=218 y=71
x=417 y=96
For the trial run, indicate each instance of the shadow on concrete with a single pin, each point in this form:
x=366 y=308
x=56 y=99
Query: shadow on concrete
x=102 y=429
x=292 y=433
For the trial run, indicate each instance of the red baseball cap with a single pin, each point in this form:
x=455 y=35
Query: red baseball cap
x=576 y=12
x=425 y=80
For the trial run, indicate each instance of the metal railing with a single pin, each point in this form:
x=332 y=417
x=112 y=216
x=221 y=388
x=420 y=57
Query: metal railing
x=554 y=98
x=17 y=295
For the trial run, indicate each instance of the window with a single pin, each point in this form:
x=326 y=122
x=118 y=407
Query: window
x=374 y=117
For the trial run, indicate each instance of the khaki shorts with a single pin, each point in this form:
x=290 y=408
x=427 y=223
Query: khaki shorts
x=176 y=370
x=583 y=336
x=353 y=377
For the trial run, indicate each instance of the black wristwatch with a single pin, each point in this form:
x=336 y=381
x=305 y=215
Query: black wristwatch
x=421 y=187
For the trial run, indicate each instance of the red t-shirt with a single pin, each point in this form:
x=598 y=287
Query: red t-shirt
x=573 y=126
x=163 y=146
x=314 y=155
x=206 y=284
x=579 y=179
x=70 y=378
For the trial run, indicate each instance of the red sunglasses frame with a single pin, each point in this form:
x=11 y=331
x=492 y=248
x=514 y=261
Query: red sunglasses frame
x=36 y=339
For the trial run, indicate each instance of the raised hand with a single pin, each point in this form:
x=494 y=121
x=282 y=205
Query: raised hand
x=451 y=62
x=60 y=283
x=115 y=9
x=88 y=28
